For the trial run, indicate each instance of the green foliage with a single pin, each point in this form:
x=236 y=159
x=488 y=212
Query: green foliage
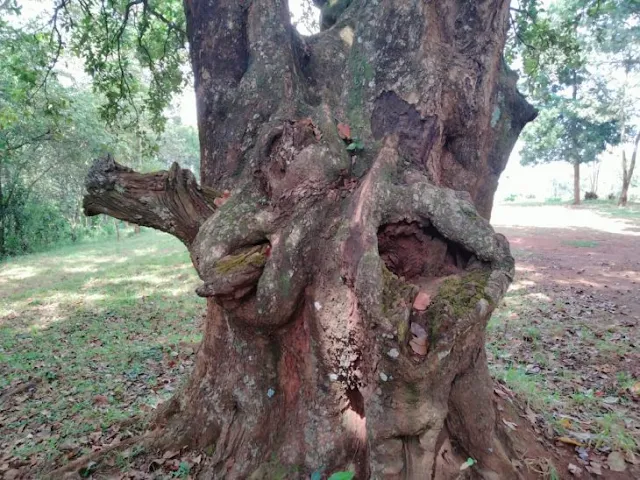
x=577 y=120
x=66 y=311
x=52 y=128
x=134 y=52
x=342 y=476
x=565 y=131
x=356 y=146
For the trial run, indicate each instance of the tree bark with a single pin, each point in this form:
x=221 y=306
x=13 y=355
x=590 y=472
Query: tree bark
x=576 y=182
x=627 y=172
x=359 y=167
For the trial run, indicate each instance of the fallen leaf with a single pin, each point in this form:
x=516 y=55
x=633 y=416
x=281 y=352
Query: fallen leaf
x=595 y=468
x=565 y=422
x=100 y=400
x=511 y=425
x=170 y=454
x=616 y=463
x=569 y=441
x=422 y=301
x=155 y=464
x=574 y=470
x=531 y=416
x=11 y=474
x=344 y=131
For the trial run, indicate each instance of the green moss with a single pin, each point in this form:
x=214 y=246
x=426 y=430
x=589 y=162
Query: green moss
x=361 y=74
x=275 y=470
x=457 y=297
x=397 y=295
x=285 y=283
x=255 y=256
x=413 y=393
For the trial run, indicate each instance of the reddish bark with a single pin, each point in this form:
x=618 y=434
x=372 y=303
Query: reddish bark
x=312 y=354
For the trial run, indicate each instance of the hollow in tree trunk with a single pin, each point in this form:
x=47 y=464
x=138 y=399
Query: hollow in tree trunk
x=341 y=234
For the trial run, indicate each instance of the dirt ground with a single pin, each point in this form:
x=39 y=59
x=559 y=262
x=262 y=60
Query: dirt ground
x=568 y=339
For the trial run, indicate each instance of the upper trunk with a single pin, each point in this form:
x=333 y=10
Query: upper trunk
x=430 y=72
x=354 y=159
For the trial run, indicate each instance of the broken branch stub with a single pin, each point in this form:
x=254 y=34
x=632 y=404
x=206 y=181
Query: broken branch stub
x=171 y=201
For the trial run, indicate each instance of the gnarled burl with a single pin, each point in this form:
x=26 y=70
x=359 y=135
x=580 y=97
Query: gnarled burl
x=313 y=357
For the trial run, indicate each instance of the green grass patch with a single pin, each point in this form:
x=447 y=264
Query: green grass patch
x=104 y=327
x=582 y=243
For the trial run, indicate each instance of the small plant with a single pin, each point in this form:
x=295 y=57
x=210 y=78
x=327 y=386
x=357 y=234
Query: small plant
x=342 y=476
x=356 y=145
x=591 y=196
x=183 y=470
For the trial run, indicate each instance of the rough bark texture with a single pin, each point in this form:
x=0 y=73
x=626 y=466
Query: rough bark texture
x=170 y=201
x=313 y=359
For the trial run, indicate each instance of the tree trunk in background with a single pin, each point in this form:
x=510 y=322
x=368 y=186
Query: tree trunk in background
x=2 y=213
x=341 y=234
x=627 y=172
x=576 y=182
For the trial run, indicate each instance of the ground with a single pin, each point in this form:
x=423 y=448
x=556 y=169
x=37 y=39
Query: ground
x=92 y=337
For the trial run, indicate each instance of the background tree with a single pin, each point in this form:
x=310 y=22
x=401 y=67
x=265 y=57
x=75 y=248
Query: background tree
x=614 y=27
x=51 y=129
x=30 y=116
x=576 y=123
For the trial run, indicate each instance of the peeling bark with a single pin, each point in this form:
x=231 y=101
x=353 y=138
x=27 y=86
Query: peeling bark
x=313 y=356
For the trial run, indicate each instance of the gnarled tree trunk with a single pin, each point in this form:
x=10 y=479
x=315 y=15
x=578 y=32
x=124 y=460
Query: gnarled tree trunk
x=342 y=237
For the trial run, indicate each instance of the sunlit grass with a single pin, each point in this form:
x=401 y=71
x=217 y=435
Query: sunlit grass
x=103 y=319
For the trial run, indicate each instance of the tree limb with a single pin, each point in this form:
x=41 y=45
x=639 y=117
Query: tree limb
x=171 y=201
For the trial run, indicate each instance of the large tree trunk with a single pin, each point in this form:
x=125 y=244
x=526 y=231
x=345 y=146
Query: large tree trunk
x=340 y=174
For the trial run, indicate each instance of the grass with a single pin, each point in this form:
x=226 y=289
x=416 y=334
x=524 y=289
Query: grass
x=107 y=328
x=103 y=328
x=582 y=243
x=564 y=364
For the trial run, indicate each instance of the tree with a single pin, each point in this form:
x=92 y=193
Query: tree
x=567 y=131
x=30 y=114
x=615 y=27
x=575 y=124
x=340 y=231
